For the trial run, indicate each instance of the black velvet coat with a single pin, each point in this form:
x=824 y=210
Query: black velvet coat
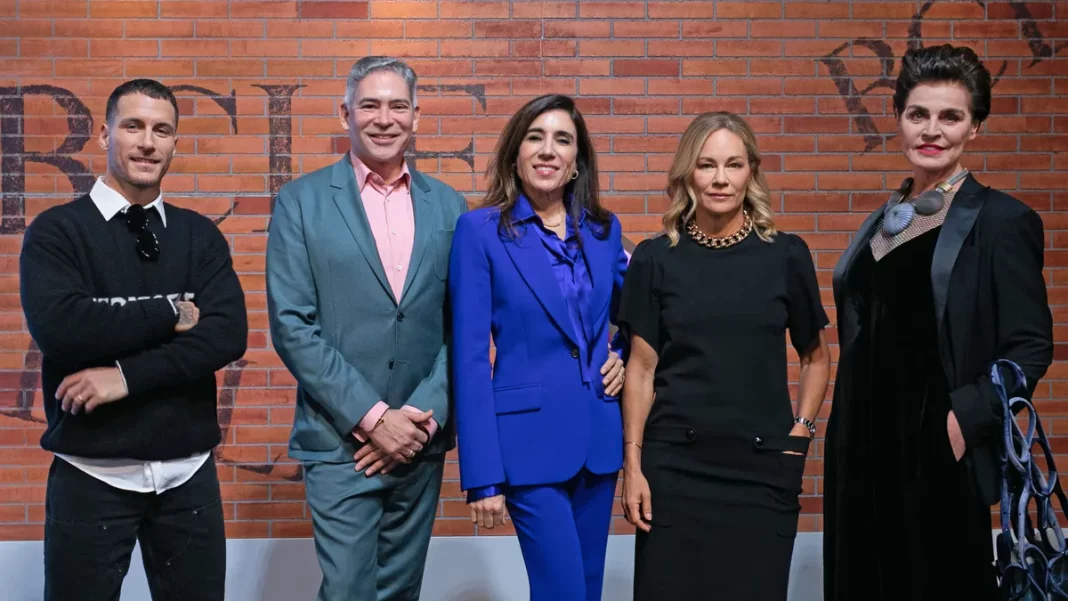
x=990 y=302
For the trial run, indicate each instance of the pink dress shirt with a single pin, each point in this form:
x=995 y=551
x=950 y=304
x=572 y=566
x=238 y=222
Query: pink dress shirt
x=392 y=219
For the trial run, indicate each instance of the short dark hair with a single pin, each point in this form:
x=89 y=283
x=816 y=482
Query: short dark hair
x=148 y=87
x=504 y=184
x=948 y=64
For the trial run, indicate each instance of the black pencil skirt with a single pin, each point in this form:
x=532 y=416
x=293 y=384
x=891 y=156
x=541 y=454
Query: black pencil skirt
x=725 y=516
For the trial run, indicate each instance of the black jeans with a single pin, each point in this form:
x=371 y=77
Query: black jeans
x=91 y=528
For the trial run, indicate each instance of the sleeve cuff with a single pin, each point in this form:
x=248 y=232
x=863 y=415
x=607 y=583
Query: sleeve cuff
x=369 y=421
x=483 y=492
x=431 y=426
x=123 y=376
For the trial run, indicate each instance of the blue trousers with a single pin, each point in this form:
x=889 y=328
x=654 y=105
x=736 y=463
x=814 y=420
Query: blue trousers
x=563 y=533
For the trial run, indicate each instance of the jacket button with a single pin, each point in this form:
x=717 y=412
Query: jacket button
x=400 y=316
x=690 y=435
x=574 y=353
x=391 y=363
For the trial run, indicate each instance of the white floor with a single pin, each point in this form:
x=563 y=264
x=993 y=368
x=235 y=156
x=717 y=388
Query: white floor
x=458 y=569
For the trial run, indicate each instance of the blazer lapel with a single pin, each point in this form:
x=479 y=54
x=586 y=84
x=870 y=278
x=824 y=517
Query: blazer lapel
x=424 y=226
x=529 y=257
x=862 y=237
x=349 y=204
x=958 y=224
x=599 y=263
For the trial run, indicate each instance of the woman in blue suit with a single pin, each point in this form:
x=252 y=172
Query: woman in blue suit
x=540 y=266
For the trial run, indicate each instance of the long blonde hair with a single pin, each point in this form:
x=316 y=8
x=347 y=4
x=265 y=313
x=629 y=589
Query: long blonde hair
x=681 y=195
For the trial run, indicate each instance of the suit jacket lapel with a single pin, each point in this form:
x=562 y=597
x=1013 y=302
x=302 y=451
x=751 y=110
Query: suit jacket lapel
x=530 y=259
x=349 y=204
x=958 y=224
x=423 y=210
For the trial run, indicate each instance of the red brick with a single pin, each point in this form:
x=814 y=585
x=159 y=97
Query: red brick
x=254 y=29
x=715 y=29
x=450 y=48
x=160 y=68
x=748 y=86
x=955 y=10
x=748 y=10
x=123 y=9
x=469 y=10
x=280 y=48
x=436 y=29
x=611 y=10
x=645 y=29
x=517 y=68
x=577 y=29
x=89 y=28
x=775 y=29
x=210 y=48
x=507 y=29
x=745 y=48
x=680 y=48
x=612 y=48
x=681 y=10
x=33 y=48
x=397 y=9
x=192 y=8
x=124 y=48
x=54 y=8
x=1006 y=10
x=645 y=67
x=263 y=9
x=989 y=29
x=535 y=9
x=98 y=67
x=561 y=67
x=883 y=10
x=323 y=9
x=816 y=10
x=692 y=106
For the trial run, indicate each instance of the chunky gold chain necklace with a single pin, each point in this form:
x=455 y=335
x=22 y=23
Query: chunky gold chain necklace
x=705 y=240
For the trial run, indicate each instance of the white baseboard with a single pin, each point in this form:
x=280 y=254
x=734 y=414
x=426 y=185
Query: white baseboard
x=485 y=568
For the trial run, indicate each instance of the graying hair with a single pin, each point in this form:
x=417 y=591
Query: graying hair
x=370 y=64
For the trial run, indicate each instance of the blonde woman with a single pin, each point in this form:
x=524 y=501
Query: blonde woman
x=710 y=436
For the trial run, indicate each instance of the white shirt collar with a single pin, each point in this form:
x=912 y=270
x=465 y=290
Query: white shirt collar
x=110 y=203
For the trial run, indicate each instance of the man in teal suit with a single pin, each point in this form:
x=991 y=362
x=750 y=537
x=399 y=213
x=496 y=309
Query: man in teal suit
x=357 y=260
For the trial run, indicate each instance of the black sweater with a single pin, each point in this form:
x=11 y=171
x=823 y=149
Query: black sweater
x=90 y=301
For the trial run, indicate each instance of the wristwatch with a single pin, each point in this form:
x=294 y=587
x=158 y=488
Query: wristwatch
x=808 y=424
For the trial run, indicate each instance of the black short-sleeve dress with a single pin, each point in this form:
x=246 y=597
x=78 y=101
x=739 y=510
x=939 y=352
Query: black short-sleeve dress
x=724 y=495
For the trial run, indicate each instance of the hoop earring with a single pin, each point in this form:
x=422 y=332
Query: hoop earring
x=574 y=175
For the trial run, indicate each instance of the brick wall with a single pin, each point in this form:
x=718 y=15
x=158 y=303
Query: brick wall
x=259 y=83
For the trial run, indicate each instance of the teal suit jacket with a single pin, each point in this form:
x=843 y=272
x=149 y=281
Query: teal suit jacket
x=335 y=322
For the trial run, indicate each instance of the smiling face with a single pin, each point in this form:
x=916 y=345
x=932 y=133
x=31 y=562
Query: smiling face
x=546 y=160
x=935 y=126
x=380 y=121
x=721 y=177
x=140 y=142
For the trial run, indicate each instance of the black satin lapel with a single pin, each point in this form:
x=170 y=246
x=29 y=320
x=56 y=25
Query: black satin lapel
x=959 y=222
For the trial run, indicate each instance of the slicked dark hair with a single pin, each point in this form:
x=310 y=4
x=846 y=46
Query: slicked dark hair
x=148 y=87
x=948 y=64
x=504 y=184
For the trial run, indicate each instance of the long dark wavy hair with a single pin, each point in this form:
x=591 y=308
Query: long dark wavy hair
x=504 y=184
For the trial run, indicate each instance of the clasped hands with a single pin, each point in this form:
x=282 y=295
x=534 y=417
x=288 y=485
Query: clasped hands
x=396 y=438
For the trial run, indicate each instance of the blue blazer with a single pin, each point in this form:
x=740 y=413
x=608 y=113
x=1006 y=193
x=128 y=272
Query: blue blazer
x=533 y=420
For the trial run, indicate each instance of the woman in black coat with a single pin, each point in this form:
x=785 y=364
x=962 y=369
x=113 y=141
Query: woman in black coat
x=943 y=280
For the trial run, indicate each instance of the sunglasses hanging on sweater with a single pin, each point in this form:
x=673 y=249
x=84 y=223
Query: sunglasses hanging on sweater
x=137 y=223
